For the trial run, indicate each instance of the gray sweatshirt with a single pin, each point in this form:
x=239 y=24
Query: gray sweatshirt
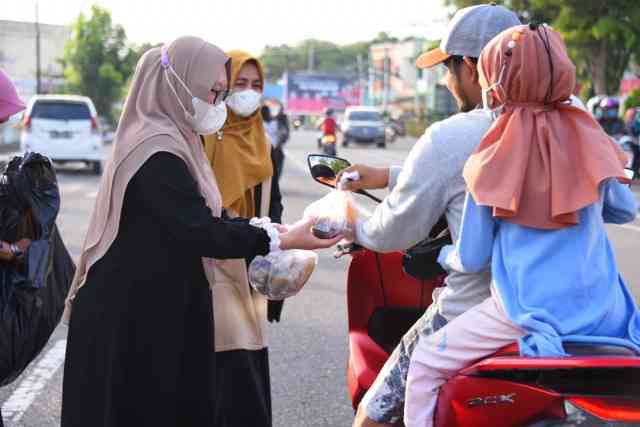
x=429 y=184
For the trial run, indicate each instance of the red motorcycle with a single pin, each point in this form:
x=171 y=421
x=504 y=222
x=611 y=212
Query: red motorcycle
x=596 y=386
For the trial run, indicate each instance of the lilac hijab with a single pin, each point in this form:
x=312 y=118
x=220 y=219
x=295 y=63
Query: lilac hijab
x=10 y=102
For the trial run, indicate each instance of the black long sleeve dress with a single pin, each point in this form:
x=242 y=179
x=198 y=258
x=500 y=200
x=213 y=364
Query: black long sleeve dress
x=274 y=308
x=141 y=336
x=242 y=376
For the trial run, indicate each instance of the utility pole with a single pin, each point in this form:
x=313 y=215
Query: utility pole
x=38 y=76
x=310 y=60
x=385 y=79
x=372 y=79
x=419 y=76
x=360 y=79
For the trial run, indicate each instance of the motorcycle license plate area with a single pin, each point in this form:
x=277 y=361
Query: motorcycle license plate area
x=329 y=139
x=61 y=134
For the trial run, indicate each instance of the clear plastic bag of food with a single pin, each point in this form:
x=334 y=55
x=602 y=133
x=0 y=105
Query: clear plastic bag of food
x=335 y=214
x=282 y=274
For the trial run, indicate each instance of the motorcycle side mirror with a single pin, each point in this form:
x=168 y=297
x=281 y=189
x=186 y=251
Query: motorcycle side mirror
x=325 y=169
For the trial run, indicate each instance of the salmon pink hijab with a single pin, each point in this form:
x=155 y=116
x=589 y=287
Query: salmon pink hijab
x=543 y=159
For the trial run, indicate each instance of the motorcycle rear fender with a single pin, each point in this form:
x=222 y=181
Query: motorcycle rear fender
x=365 y=361
x=480 y=402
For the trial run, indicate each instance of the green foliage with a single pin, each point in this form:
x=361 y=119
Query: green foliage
x=527 y=10
x=327 y=57
x=633 y=100
x=97 y=62
x=601 y=36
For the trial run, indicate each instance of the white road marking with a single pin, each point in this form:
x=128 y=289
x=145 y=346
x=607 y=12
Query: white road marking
x=72 y=188
x=17 y=404
x=290 y=158
x=631 y=227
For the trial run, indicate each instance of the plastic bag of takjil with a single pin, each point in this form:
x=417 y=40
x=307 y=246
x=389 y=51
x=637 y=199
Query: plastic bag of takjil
x=336 y=213
x=282 y=274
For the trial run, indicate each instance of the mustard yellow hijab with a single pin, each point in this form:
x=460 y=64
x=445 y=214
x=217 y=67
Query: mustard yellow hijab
x=242 y=159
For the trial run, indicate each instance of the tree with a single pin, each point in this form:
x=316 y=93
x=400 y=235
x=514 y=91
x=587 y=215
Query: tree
x=601 y=36
x=527 y=10
x=327 y=57
x=97 y=62
x=633 y=100
x=384 y=37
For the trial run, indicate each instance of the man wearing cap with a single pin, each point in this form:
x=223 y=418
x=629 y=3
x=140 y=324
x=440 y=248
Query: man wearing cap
x=428 y=185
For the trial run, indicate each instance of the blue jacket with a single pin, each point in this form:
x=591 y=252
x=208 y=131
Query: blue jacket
x=557 y=285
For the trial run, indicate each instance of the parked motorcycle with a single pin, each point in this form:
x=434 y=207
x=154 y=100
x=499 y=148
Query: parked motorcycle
x=394 y=129
x=596 y=386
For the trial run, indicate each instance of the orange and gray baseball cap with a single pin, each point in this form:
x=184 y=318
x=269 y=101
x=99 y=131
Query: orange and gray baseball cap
x=469 y=31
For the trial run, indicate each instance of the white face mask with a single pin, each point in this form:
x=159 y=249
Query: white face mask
x=497 y=86
x=486 y=105
x=244 y=103
x=207 y=118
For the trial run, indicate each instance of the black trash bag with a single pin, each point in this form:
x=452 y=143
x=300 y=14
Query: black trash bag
x=33 y=288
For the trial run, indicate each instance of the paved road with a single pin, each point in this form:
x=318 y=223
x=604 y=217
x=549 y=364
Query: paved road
x=308 y=348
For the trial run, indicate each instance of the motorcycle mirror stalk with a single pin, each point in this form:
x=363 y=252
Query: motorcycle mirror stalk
x=325 y=169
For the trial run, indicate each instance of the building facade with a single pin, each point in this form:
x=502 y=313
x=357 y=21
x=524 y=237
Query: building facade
x=398 y=86
x=18 y=60
x=18 y=54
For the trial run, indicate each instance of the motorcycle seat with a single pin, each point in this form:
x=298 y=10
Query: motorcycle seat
x=578 y=349
x=598 y=350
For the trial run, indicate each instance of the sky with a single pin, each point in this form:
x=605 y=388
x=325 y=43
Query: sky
x=249 y=24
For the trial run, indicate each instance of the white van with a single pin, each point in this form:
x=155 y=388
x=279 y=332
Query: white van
x=64 y=128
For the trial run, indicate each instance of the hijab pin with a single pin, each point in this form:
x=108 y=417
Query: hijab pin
x=219 y=135
x=164 y=57
x=515 y=36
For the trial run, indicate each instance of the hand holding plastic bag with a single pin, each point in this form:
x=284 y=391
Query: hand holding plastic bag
x=282 y=274
x=335 y=214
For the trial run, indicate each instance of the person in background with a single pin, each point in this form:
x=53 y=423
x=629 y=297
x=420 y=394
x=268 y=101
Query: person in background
x=593 y=106
x=632 y=122
x=241 y=158
x=270 y=125
x=539 y=198
x=328 y=125
x=284 y=131
x=141 y=331
x=611 y=122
